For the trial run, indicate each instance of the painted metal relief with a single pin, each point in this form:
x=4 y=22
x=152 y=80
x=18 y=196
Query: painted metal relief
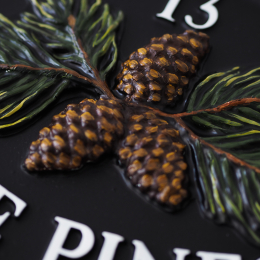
x=68 y=44
x=56 y=47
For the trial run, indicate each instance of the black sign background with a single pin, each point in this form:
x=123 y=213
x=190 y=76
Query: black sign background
x=97 y=195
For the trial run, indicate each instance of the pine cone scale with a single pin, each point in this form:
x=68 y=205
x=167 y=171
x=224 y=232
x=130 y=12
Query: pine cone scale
x=81 y=133
x=169 y=60
x=149 y=147
x=152 y=152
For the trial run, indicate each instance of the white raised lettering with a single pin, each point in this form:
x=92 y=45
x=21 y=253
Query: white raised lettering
x=168 y=11
x=19 y=204
x=217 y=256
x=141 y=251
x=56 y=249
x=110 y=245
x=212 y=12
x=181 y=253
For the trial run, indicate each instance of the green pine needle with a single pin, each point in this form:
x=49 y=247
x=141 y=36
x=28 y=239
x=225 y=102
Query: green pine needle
x=67 y=42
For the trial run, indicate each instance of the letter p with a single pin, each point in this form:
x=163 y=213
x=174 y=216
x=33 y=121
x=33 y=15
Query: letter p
x=56 y=249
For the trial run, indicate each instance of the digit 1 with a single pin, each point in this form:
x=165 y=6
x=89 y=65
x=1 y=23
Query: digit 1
x=213 y=16
x=169 y=10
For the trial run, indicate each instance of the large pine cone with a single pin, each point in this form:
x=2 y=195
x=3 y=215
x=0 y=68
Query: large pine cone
x=153 y=154
x=159 y=71
x=82 y=132
x=151 y=149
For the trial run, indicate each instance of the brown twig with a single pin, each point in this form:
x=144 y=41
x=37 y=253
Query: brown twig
x=228 y=105
x=72 y=21
x=219 y=108
x=102 y=85
x=98 y=82
x=222 y=107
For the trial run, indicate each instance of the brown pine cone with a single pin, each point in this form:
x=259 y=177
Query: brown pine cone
x=152 y=152
x=81 y=133
x=159 y=71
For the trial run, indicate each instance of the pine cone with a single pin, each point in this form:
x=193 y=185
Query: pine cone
x=159 y=71
x=152 y=152
x=82 y=132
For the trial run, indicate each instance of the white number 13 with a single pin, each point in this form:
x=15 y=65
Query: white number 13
x=207 y=7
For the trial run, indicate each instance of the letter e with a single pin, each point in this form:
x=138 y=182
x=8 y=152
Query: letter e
x=19 y=204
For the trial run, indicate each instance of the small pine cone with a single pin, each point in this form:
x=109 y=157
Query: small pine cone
x=82 y=132
x=159 y=71
x=152 y=152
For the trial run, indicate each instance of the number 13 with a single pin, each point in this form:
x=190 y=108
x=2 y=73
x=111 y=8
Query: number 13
x=207 y=7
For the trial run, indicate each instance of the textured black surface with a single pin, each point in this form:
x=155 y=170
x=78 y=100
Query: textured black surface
x=96 y=195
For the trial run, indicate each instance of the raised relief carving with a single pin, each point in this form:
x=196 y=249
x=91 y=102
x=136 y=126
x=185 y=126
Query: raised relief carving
x=56 y=249
x=141 y=251
x=217 y=256
x=212 y=13
x=111 y=242
x=169 y=10
x=217 y=121
x=208 y=7
x=181 y=253
x=19 y=204
x=107 y=252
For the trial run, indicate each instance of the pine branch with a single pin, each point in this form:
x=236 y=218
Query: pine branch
x=223 y=87
x=217 y=150
x=58 y=39
x=219 y=108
